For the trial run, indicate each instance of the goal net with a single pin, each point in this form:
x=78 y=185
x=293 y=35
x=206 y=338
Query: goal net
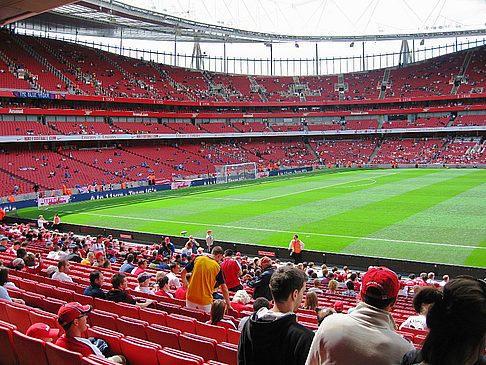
x=237 y=172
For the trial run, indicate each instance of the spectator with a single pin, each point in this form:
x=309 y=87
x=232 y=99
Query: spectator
x=98 y=246
x=53 y=255
x=261 y=282
x=17 y=264
x=74 y=256
x=187 y=250
x=173 y=279
x=165 y=264
x=43 y=332
x=127 y=266
x=118 y=294
x=240 y=301
x=232 y=271
x=421 y=303
x=217 y=313
x=332 y=286
x=323 y=313
x=194 y=243
x=457 y=324
x=431 y=280
x=142 y=267
x=63 y=267
x=350 y=289
x=311 y=301
x=206 y=276
x=4 y=284
x=209 y=240
x=274 y=336
x=30 y=263
x=367 y=335
x=338 y=306
x=257 y=305
x=181 y=291
x=316 y=288
x=73 y=318
x=163 y=288
x=100 y=259
x=445 y=280
x=143 y=283
x=12 y=250
x=96 y=279
x=89 y=260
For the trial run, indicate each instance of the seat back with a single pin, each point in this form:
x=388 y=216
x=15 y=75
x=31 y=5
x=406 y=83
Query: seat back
x=83 y=299
x=43 y=317
x=199 y=345
x=168 y=307
x=58 y=355
x=169 y=356
x=132 y=327
x=153 y=316
x=139 y=352
x=227 y=353
x=215 y=332
x=164 y=336
x=103 y=319
x=112 y=338
x=233 y=336
x=9 y=356
x=18 y=316
x=197 y=314
x=185 y=324
x=30 y=351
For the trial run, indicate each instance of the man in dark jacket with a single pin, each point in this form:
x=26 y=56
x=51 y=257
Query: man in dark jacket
x=260 y=283
x=96 y=279
x=74 y=256
x=273 y=336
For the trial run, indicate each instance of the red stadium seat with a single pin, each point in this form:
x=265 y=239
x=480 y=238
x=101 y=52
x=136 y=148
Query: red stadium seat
x=44 y=289
x=132 y=327
x=103 y=319
x=63 y=294
x=164 y=336
x=185 y=324
x=227 y=353
x=30 y=351
x=127 y=310
x=8 y=356
x=199 y=345
x=197 y=314
x=168 y=307
x=139 y=352
x=18 y=316
x=169 y=356
x=215 y=332
x=58 y=355
x=83 y=299
x=33 y=299
x=52 y=305
x=233 y=336
x=153 y=316
x=37 y=316
x=112 y=338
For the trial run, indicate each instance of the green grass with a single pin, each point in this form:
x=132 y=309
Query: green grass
x=435 y=215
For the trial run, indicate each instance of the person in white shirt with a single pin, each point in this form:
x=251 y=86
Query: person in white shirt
x=173 y=279
x=209 y=240
x=144 y=283
x=187 y=250
x=62 y=270
x=41 y=221
x=421 y=303
x=98 y=246
x=52 y=255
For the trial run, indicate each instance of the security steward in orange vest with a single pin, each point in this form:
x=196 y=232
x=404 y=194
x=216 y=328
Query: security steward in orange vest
x=295 y=247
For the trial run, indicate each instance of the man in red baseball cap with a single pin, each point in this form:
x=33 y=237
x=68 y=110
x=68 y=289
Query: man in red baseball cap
x=367 y=335
x=73 y=318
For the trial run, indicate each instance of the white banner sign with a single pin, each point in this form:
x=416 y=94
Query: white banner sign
x=53 y=200
x=181 y=184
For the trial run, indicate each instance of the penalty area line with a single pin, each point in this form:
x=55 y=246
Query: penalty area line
x=280 y=231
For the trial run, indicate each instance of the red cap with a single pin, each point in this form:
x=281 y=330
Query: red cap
x=167 y=239
x=42 y=330
x=209 y=231
x=99 y=254
x=339 y=306
x=70 y=311
x=382 y=279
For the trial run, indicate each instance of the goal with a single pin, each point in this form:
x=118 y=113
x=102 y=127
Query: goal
x=237 y=172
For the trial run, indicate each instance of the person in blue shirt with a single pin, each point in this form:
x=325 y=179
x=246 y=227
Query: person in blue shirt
x=127 y=266
x=96 y=279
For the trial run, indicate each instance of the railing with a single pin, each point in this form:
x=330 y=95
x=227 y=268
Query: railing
x=274 y=66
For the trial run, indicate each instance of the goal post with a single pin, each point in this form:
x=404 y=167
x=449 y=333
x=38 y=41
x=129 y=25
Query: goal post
x=236 y=172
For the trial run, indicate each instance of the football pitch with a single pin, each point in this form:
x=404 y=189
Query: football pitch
x=434 y=215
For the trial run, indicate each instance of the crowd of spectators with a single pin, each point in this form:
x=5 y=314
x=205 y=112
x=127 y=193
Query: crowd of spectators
x=268 y=297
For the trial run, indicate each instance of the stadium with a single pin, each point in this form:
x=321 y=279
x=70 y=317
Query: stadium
x=136 y=122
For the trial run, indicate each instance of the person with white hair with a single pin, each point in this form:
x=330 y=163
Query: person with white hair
x=240 y=301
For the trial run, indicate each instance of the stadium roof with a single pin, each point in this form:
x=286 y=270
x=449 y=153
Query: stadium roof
x=14 y=10
x=110 y=18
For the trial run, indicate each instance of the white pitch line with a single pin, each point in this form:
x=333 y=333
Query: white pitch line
x=324 y=187
x=278 y=231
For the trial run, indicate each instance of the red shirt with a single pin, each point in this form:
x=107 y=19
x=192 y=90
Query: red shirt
x=180 y=293
x=230 y=270
x=72 y=344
